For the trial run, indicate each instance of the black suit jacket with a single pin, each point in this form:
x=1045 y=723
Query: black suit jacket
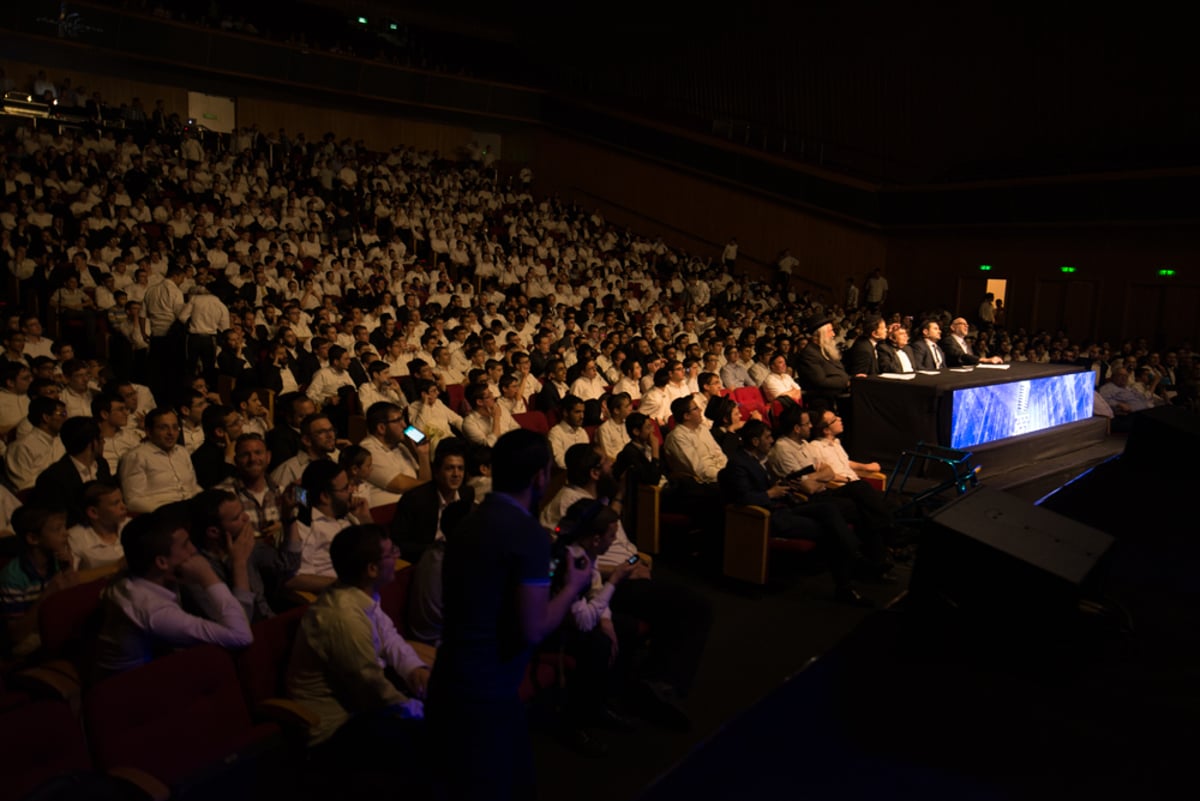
x=888 y=361
x=819 y=375
x=862 y=358
x=744 y=481
x=955 y=355
x=61 y=482
x=305 y=368
x=358 y=374
x=209 y=463
x=414 y=525
x=283 y=443
x=923 y=355
x=634 y=465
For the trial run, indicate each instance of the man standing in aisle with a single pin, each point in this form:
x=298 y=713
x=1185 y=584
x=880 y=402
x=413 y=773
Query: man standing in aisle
x=499 y=604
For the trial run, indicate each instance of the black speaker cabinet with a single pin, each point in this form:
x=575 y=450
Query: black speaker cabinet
x=991 y=555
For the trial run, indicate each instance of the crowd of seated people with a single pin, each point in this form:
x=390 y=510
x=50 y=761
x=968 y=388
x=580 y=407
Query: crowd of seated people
x=400 y=313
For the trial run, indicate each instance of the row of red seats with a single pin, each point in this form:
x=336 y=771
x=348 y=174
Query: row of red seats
x=202 y=715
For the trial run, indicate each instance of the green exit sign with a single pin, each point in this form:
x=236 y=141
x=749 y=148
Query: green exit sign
x=1166 y=273
x=987 y=268
x=1067 y=269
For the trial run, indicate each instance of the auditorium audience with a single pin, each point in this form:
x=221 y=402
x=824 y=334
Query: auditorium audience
x=284 y=266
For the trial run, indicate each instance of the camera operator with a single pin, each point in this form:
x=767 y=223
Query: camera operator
x=586 y=531
x=498 y=606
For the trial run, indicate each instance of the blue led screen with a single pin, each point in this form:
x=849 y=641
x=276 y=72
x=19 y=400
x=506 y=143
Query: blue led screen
x=995 y=411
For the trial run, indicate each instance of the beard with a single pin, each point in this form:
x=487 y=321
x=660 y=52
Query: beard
x=829 y=350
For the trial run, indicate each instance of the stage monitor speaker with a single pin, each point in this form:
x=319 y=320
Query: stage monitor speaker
x=1164 y=440
x=992 y=555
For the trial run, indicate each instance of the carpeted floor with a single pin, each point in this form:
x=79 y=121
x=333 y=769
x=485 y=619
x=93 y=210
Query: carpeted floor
x=758 y=640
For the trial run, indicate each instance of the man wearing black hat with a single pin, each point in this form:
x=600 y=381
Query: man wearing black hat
x=819 y=368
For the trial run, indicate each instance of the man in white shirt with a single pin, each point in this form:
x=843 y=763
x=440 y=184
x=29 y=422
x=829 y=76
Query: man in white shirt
x=31 y=454
x=690 y=448
x=15 y=379
x=611 y=435
x=113 y=418
x=569 y=431
x=142 y=611
x=379 y=387
x=330 y=382
x=76 y=394
x=654 y=403
x=206 y=316
x=318 y=441
x=510 y=396
x=35 y=344
x=779 y=384
x=487 y=420
x=163 y=303
x=158 y=471
x=397 y=465
x=96 y=542
x=589 y=386
x=331 y=509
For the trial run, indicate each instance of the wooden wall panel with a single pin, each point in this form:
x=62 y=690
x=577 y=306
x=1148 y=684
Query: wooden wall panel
x=701 y=215
x=379 y=132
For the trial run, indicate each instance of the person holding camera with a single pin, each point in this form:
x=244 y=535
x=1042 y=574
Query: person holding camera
x=399 y=462
x=498 y=607
x=586 y=532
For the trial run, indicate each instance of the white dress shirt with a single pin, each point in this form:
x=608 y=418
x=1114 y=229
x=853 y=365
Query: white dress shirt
x=205 y=314
x=151 y=477
x=326 y=383
x=562 y=437
x=90 y=551
x=777 y=384
x=143 y=616
x=695 y=453
x=163 y=303
x=386 y=464
x=30 y=455
x=314 y=553
x=612 y=437
x=478 y=429
x=787 y=456
x=369 y=395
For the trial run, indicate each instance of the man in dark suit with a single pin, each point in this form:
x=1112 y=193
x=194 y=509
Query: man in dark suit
x=927 y=353
x=819 y=369
x=309 y=362
x=863 y=357
x=895 y=355
x=417 y=528
x=364 y=354
x=83 y=462
x=417 y=522
x=958 y=350
x=212 y=460
x=745 y=482
x=284 y=440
